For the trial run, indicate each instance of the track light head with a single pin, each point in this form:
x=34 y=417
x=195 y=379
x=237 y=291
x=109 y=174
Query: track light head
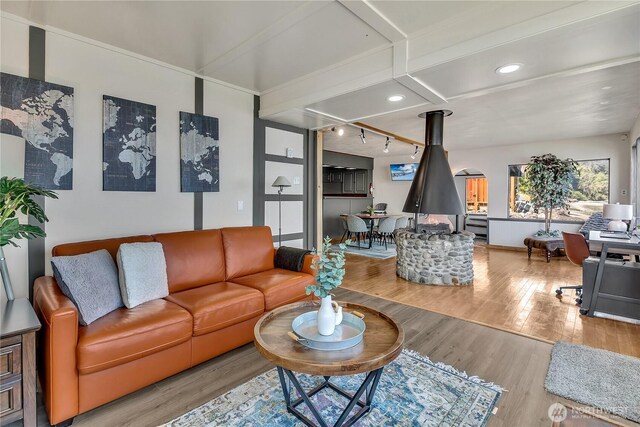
x=362 y=137
x=386 y=146
x=415 y=153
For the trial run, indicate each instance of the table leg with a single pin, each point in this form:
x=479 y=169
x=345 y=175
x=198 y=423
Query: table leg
x=598 y=279
x=307 y=401
x=368 y=386
x=548 y=254
x=529 y=251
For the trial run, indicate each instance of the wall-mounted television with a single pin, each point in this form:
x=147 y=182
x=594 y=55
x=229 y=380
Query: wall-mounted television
x=403 y=171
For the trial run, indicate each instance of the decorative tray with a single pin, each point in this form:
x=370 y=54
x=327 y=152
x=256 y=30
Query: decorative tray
x=348 y=334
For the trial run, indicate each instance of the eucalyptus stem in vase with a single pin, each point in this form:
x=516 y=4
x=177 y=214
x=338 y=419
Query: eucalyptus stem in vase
x=329 y=265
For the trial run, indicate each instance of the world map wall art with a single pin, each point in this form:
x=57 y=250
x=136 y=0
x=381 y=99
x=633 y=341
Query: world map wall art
x=199 y=153
x=129 y=145
x=42 y=114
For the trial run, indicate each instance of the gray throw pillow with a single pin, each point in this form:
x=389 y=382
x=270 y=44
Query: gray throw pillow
x=143 y=272
x=89 y=280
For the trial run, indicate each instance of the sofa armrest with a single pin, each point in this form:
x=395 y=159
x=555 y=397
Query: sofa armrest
x=306 y=266
x=58 y=340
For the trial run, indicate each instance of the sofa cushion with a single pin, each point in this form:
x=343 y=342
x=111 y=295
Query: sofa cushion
x=110 y=245
x=130 y=334
x=142 y=272
x=278 y=286
x=89 y=280
x=247 y=250
x=219 y=305
x=194 y=258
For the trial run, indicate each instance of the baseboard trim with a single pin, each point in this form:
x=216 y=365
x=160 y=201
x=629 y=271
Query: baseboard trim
x=507 y=248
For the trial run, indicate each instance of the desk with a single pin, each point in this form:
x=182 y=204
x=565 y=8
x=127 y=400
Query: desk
x=624 y=246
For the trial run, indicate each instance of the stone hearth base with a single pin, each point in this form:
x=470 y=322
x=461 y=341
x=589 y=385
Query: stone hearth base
x=435 y=259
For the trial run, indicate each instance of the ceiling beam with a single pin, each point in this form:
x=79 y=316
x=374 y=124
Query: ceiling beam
x=389 y=134
x=402 y=76
x=375 y=19
x=303 y=11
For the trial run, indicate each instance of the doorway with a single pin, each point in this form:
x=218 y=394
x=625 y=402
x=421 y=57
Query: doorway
x=473 y=188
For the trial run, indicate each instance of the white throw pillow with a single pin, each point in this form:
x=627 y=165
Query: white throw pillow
x=142 y=271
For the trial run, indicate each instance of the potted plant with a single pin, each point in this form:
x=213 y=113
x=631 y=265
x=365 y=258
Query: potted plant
x=330 y=271
x=16 y=196
x=548 y=182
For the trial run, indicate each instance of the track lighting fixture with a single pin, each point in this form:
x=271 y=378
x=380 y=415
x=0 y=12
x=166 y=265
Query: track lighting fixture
x=386 y=146
x=415 y=153
x=362 y=137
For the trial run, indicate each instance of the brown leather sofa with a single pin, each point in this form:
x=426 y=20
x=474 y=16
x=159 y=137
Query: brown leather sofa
x=220 y=283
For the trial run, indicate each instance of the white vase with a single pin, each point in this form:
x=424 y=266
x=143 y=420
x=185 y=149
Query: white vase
x=327 y=317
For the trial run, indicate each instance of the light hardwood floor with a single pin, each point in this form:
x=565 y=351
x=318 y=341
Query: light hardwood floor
x=509 y=292
x=517 y=363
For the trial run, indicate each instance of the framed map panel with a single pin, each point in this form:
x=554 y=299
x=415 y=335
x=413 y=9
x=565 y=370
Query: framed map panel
x=199 y=153
x=129 y=145
x=42 y=114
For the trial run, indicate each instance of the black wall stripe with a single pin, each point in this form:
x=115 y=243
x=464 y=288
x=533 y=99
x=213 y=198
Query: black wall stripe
x=198 y=208
x=36 y=247
x=258 y=163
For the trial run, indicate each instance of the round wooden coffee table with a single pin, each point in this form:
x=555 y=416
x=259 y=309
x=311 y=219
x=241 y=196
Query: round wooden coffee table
x=382 y=343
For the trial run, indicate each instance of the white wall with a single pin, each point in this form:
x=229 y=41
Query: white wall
x=14 y=59
x=634 y=135
x=494 y=162
x=277 y=141
x=87 y=212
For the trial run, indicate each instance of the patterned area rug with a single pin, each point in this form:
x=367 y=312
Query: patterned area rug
x=413 y=391
x=377 y=250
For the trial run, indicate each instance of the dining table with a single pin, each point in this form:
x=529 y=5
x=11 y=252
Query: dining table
x=370 y=220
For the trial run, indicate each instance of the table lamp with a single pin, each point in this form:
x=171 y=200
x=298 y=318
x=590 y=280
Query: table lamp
x=280 y=182
x=617 y=214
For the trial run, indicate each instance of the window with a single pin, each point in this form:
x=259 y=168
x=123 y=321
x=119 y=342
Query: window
x=590 y=192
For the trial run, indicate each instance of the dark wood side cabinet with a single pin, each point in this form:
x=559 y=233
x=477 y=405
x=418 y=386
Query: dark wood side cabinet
x=18 y=363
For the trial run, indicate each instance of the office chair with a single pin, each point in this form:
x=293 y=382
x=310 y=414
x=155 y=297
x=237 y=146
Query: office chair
x=577 y=250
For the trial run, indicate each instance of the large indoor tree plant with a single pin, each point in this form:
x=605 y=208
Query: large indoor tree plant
x=16 y=196
x=548 y=183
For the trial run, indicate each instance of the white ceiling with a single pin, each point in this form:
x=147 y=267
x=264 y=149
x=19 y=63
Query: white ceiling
x=320 y=63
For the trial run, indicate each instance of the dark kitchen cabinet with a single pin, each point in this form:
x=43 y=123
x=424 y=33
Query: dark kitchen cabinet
x=361 y=182
x=348 y=183
x=331 y=176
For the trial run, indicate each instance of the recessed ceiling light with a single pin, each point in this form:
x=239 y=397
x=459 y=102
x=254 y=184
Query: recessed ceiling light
x=340 y=132
x=606 y=87
x=395 y=98
x=604 y=102
x=509 y=68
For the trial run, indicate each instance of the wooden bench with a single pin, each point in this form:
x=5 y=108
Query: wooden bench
x=548 y=244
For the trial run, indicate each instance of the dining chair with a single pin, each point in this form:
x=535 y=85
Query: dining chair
x=385 y=230
x=343 y=221
x=402 y=222
x=358 y=227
